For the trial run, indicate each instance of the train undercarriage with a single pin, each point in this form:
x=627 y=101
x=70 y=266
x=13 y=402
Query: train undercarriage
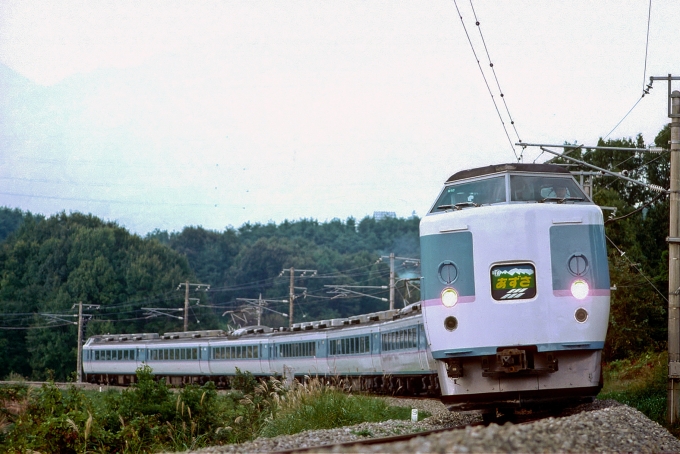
x=397 y=385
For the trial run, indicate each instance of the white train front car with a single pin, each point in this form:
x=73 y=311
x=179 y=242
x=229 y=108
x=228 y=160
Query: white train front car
x=515 y=288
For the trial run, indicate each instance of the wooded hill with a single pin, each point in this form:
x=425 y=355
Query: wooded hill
x=48 y=265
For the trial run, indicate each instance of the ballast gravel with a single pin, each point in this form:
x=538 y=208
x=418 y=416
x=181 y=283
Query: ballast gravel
x=603 y=426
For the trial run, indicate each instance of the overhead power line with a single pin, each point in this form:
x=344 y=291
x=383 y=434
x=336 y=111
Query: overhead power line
x=488 y=87
x=645 y=88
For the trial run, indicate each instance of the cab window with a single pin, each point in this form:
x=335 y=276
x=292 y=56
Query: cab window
x=471 y=194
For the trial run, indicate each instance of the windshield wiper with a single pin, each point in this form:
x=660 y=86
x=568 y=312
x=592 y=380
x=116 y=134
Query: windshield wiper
x=462 y=205
x=458 y=206
x=561 y=199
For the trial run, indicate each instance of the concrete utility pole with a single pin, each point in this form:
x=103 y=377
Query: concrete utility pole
x=81 y=323
x=80 y=342
x=406 y=261
x=673 y=413
x=186 y=306
x=292 y=272
x=291 y=296
x=391 y=280
x=187 y=285
x=261 y=304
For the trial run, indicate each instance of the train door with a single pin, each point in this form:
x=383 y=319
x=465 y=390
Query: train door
x=140 y=357
x=321 y=356
x=204 y=359
x=263 y=360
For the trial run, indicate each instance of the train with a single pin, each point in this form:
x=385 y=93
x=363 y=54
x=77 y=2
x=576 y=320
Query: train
x=513 y=314
x=382 y=352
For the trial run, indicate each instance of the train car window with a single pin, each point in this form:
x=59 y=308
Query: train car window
x=471 y=194
x=250 y=351
x=531 y=188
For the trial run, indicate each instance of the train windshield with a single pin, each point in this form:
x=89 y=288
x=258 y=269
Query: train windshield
x=471 y=194
x=531 y=188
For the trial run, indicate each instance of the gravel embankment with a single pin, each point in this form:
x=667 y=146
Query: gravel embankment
x=604 y=426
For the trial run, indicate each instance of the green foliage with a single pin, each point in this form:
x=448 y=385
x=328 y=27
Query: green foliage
x=313 y=406
x=637 y=314
x=144 y=418
x=149 y=417
x=640 y=383
x=255 y=254
x=48 y=265
x=10 y=220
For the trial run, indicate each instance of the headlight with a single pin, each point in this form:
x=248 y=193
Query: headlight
x=580 y=289
x=449 y=297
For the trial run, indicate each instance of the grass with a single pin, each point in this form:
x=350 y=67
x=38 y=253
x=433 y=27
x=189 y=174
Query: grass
x=313 y=406
x=640 y=383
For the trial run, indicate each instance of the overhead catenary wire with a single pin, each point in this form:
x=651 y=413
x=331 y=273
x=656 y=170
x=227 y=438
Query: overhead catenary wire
x=493 y=70
x=486 y=82
x=623 y=254
x=645 y=88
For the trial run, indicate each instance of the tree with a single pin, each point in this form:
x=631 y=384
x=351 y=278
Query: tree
x=48 y=265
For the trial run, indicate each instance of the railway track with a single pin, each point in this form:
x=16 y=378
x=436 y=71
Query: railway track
x=517 y=419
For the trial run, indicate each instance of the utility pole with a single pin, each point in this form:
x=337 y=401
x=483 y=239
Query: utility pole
x=391 y=280
x=187 y=285
x=81 y=324
x=291 y=294
x=79 y=362
x=673 y=396
x=406 y=260
x=261 y=304
x=186 y=306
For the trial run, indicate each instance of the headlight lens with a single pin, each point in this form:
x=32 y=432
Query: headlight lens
x=449 y=297
x=580 y=289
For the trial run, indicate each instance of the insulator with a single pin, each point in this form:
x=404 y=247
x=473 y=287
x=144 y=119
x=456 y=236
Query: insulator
x=656 y=188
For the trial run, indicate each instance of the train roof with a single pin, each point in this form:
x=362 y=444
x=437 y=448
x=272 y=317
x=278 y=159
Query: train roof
x=188 y=336
x=500 y=168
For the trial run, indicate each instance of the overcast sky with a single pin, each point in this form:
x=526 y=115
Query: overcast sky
x=167 y=114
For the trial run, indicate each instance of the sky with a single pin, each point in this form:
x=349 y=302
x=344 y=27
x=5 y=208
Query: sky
x=165 y=114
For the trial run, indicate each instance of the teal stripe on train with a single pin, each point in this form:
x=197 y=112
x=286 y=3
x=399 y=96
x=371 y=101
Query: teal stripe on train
x=492 y=350
x=447 y=248
x=578 y=251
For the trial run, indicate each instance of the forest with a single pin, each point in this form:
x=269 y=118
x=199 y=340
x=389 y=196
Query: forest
x=129 y=284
